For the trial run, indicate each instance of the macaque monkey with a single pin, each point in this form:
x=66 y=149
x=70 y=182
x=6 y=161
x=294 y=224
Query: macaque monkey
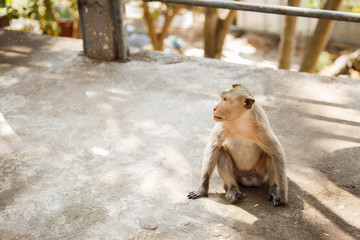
x=244 y=148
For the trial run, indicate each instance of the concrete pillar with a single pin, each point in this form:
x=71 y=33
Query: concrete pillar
x=103 y=29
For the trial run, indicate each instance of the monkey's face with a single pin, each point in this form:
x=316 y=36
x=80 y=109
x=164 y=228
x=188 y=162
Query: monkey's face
x=234 y=102
x=227 y=109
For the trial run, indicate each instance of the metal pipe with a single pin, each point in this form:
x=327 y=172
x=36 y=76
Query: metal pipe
x=268 y=8
x=117 y=12
x=82 y=24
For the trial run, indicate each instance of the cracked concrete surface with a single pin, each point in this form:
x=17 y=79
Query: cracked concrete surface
x=109 y=150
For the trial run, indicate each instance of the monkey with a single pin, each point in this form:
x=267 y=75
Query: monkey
x=244 y=148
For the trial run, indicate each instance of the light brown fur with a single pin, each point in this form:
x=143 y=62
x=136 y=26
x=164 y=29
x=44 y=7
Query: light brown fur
x=244 y=148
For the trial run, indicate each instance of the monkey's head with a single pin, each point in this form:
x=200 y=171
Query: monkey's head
x=234 y=102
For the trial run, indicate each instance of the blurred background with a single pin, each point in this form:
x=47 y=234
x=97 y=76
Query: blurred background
x=234 y=36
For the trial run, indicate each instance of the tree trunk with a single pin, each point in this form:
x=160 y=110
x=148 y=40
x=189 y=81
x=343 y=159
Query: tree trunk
x=319 y=39
x=157 y=39
x=211 y=17
x=215 y=30
x=169 y=16
x=150 y=25
x=288 y=38
x=76 y=29
x=50 y=13
x=222 y=29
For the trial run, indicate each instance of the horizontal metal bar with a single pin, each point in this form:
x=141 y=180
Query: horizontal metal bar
x=268 y=8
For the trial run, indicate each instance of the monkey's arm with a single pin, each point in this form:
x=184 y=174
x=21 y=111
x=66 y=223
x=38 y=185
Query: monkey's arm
x=278 y=192
x=268 y=141
x=209 y=163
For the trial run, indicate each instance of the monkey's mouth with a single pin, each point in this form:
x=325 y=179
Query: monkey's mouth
x=217 y=117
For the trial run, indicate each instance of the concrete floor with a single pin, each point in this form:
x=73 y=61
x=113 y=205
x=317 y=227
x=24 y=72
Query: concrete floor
x=109 y=150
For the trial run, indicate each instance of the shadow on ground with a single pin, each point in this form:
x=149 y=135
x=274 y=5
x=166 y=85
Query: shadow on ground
x=92 y=149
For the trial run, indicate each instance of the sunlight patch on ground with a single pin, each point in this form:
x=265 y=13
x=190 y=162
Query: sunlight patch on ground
x=326 y=227
x=334 y=130
x=91 y=94
x=331 y=144
x=115 y=134
x=153 y=128
x=117 y=91
x=10 y=54
x=158 y=182
x=332 y=112
x=315 y=91
x=100 y=151
x=229 y=211
x=340 y=202
x=6 y=130
x=8 y=81
x=111 y=177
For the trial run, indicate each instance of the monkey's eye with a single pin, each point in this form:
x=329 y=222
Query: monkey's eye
x=225 y=99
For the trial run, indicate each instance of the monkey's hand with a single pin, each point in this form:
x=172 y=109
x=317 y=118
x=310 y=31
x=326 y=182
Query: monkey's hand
x=276 y=197
x=195 y=194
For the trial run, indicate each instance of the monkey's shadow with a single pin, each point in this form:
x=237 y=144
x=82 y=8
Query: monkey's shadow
x=251 y=196
x=290 y=216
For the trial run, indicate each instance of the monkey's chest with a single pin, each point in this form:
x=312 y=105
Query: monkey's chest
x=244 y=153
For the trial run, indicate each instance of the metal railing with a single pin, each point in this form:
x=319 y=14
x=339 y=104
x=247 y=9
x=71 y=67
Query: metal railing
x=268 y=8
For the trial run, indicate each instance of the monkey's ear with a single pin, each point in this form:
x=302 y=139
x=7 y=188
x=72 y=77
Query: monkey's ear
x=249 y=103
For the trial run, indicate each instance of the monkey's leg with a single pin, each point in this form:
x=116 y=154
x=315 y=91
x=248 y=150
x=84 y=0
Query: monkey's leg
x=276 y=165
x=226 y=170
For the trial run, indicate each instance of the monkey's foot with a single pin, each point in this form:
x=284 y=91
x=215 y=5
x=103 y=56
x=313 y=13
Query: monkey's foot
x=196 y=194
x=275 y=197
x=233 y=195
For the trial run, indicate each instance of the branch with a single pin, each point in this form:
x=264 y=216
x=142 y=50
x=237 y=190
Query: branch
x=150 y=25
x=168 y=19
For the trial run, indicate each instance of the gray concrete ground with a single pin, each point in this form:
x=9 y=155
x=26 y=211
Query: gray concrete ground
x=109 y=150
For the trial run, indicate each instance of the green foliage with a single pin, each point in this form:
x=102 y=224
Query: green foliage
x=349 y=6
x=5 y=7
x=49 y=26
x=196 y=10
x=68 y=10
x=73 y=8
x=325 y=59
x=317 y=4
x=36 y=10
x=155 y=13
